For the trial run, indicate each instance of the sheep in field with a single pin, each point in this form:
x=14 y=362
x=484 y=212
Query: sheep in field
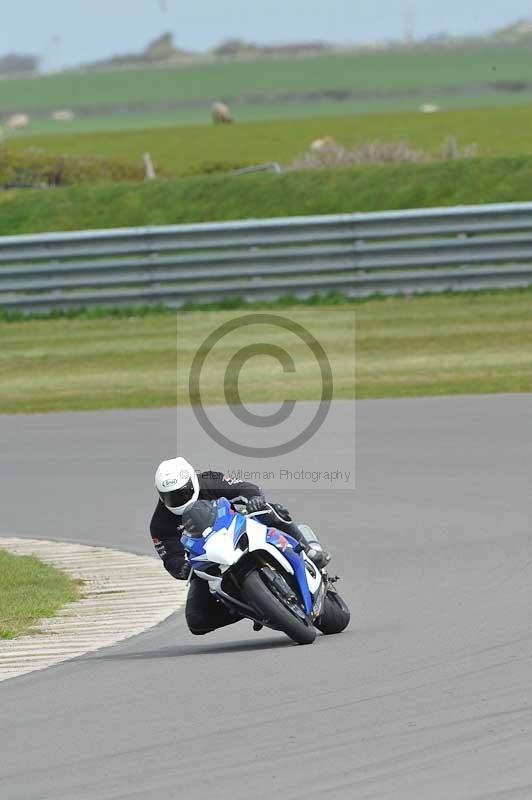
x=221 y=113
x=17 y=121
x=327 y=144
x=64 y=115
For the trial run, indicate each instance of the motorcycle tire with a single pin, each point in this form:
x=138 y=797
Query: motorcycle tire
x=257 y=594
x=335 y=615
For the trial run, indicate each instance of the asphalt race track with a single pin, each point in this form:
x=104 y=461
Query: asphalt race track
x=427 y=695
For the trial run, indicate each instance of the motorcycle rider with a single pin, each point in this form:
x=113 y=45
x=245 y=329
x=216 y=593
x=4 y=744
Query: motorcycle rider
x=179 y=487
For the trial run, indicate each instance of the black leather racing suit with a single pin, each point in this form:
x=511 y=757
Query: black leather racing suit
x=203 y=612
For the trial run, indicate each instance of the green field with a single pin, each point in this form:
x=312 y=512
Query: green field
x=377 y=71
x=270 y=112
x=497 y=174
x=218 y=197
x=494 y=131
x=31 y=590
x=404 y=347
x=470 y=72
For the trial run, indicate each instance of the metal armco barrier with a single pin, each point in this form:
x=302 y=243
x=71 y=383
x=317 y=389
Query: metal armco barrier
x=395 y=252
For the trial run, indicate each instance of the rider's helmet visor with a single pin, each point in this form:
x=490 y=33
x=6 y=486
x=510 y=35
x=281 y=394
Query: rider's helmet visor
x=178 y=497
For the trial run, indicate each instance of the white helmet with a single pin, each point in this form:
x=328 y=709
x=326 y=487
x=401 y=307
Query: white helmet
x=177 y=484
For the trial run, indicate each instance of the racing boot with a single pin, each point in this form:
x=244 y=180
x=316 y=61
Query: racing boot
x=314 y=550
x=304 y=534
x=318 y=555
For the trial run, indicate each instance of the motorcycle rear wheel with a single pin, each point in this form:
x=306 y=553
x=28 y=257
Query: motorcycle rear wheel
x=257 y=594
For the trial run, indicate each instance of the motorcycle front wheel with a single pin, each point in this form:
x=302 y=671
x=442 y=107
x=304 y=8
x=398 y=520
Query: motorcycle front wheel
x=335 y=615
x=277 y=610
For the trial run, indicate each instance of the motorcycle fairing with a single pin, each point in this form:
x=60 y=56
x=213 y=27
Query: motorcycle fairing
x=301 y=574
x=220 y=547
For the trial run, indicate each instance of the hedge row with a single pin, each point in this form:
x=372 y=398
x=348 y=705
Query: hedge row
x=32 y=167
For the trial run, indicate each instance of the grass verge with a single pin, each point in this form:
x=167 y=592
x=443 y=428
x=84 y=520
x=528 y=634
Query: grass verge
x=219 y=198
x=432 y=345
x=31 y=590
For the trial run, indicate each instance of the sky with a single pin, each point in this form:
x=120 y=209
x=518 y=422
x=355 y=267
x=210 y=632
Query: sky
x=70 y=32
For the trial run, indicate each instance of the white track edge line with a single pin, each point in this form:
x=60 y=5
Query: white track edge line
x=123 y=595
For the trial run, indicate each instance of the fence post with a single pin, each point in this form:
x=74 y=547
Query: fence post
x=149 y=170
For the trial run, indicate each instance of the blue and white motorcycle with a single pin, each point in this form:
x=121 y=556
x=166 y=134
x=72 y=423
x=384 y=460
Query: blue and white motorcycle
x=263 y=574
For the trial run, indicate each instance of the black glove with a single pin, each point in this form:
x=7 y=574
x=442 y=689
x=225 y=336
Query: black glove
x=281 y=512
x=257 y=503
x=178 y=568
